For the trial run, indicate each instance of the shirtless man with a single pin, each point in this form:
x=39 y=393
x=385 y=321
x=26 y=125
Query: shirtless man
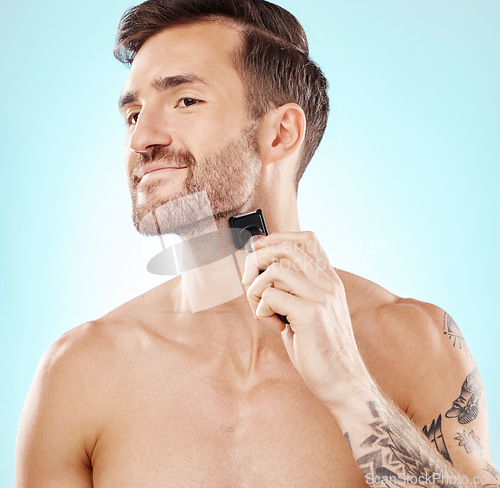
x=197 y=384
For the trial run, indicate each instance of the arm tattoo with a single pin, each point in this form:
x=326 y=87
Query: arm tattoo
x=348 y=441
x=470 y=442
x=450 y=328
x=395 y=455
x=435 y=436
x=465 y=407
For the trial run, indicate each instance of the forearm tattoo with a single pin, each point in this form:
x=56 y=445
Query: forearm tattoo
x=392 y=455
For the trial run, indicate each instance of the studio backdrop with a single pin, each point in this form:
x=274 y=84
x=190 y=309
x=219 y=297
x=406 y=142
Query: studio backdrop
x=403 y=190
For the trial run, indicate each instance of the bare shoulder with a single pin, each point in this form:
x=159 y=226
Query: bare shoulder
x=383 y=319
x=80 y=351
x=96 y=352
x=73 y=372
x=72 y=397
x=57 y=431
x=405 y=342
x=99 y=346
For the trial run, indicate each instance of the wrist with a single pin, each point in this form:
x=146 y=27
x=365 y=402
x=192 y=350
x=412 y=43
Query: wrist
x=352 y=397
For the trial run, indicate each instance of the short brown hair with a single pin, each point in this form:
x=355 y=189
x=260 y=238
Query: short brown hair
x=273 y=60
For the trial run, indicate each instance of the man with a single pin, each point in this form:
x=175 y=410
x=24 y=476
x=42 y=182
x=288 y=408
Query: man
x=196 y=383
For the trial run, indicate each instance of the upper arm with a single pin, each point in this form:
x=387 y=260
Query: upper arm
x=53 y=439
x=446 y=399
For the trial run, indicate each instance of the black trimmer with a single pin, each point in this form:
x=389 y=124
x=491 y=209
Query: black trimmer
x=246 y=229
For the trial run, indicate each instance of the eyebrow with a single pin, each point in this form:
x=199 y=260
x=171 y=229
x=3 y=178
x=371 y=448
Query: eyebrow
x=162 y=84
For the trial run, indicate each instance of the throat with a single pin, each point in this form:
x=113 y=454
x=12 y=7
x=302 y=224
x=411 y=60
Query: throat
x=222 y=326
x=228 y=341
x=213 y=285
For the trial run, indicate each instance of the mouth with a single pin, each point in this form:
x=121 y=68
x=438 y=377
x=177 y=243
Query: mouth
x=148 y=172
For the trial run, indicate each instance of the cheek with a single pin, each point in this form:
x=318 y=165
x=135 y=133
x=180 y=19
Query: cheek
x=211 y=132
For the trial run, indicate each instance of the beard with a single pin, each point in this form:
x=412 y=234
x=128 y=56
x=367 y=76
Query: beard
x=215 y=187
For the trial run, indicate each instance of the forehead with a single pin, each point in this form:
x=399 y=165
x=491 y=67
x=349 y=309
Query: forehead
x=203 y=49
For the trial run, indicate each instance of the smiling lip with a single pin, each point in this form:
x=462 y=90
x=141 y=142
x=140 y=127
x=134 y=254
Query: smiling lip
x=151 y=168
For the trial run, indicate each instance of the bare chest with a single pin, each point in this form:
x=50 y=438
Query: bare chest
x=202 y=434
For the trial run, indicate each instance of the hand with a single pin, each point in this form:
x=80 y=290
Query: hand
x=300 y=283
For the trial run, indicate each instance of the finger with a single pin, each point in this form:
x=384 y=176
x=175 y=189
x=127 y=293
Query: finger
x=305 y=240
x=273 y=322
x=275 y=302
x=284 y=279
x=287 y=335
x=255 y=263
x=287 y=252
x=280 y=257
x=275 y=237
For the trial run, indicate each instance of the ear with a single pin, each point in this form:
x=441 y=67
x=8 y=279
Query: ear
x=281 y=133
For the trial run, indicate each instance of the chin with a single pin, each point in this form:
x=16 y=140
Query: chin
x=182 y=213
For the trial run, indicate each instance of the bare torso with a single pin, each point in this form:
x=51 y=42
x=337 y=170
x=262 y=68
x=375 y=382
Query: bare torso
x=184 y=405
x=182 y=421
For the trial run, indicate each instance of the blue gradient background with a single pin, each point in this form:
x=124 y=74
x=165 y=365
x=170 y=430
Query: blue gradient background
x=403 y=191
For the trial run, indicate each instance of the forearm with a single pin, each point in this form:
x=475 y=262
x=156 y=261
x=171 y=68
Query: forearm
x=388 y=448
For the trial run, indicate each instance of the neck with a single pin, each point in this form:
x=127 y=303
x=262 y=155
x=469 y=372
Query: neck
x=210 y=284
x=198 y=251
x=209 y=256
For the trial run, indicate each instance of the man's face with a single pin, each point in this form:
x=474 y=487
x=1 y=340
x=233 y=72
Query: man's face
x=188 y=128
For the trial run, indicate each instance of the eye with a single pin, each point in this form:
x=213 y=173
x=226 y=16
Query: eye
x=187 y=102
x=132 y=118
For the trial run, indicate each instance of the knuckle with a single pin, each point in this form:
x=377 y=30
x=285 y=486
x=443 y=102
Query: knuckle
x=336 y=289
x=311 y=243
x=273 y=269
x=286 y=264
x=323 y=264
x=252 y=294
x=267 y=293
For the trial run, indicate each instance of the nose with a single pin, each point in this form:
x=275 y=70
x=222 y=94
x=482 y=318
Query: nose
x=151 y=130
